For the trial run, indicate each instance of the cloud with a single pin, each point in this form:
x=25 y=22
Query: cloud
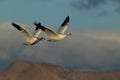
x=117 y=9
x=4 y=55
x=87 y=4
x=117 y=2
x=84 y=50
x=103 y=13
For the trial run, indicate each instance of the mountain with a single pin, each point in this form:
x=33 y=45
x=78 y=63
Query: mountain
x=21 y=70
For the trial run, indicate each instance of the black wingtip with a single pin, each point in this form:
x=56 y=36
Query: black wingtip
x=39 y=26
x=16 y=26
x=67 y=17
x=13 y=23
x=66 y=21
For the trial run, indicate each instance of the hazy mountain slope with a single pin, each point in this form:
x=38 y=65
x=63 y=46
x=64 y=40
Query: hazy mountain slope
x=21 y=70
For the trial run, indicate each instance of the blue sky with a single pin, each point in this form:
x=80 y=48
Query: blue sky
x=84 y=14
x=94 y=44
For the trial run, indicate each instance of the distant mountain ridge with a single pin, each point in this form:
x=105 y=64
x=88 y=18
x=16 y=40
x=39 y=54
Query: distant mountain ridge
x=21 y=70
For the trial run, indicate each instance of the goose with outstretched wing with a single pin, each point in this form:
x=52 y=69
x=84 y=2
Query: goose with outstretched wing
x=57 y=36
x=30 y=39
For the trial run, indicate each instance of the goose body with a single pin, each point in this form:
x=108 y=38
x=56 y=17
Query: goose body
x=60 y=34
x=30 y=39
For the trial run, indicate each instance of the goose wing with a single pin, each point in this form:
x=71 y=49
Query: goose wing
x=48 y=31
x=36 y=33
x=24 y=32
x=37 y=30
x=64 y=25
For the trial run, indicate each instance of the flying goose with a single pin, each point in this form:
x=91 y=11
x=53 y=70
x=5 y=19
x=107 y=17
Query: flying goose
x=56 y=36
x=30 y=39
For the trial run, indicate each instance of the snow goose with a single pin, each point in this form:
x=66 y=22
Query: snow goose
x=30 y=39
x=56 y=36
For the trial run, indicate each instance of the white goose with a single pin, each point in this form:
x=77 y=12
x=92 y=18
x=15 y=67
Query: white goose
x=56 y=36
x=30 y=39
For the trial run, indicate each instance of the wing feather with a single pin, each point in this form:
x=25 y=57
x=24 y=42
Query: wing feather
x=64 y=25
x=49 y=32
x=23 y=31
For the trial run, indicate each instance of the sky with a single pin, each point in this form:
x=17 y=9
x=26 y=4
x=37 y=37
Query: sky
x=94 y=24
x=84 y=14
